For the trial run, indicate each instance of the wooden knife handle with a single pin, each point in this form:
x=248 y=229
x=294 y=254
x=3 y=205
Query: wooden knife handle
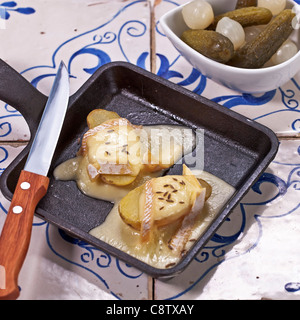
x=16 y=232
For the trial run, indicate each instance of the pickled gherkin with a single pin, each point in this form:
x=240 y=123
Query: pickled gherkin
x=250 y=16
x=246 y=3
x=257 y=52
x=209 y=43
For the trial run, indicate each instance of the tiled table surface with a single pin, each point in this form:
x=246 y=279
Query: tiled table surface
x=257 y=252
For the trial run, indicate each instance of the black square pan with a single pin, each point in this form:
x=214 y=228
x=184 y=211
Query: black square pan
x=143 y=98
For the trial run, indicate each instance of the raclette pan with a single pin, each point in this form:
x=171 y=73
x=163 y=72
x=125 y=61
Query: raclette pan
x=236 y=149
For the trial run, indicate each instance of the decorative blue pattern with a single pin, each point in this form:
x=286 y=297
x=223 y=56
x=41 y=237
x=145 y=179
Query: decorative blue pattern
x=103 y=259
x=231 y=101
x=6 y=8
x=10 y=6
x=100 y=43
x=3 y=157
x=292 y=287
x=89 y=255
x=166 y=72
x=97 y=39
x=71 y=261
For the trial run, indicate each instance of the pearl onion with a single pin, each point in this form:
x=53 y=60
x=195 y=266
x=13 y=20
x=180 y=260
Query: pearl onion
x=233 y=30
x=285 y=52
x=198 y=14
x=275 y=6
x=252 y=32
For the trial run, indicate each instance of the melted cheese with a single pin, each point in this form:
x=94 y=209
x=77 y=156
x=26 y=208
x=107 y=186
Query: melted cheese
x=118 y=234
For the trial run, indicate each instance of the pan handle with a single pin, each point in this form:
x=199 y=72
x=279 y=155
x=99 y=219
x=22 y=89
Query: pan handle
x=16 y=91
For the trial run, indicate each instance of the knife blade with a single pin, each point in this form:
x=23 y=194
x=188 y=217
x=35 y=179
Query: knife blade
x=31 y=187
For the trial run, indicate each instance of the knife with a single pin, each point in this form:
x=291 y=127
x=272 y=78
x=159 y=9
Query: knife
x=31 y=187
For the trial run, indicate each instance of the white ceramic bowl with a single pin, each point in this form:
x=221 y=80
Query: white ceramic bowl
x=239 y=79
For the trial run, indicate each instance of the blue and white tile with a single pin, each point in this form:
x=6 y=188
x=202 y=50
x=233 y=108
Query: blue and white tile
x=85 y=34
x=61 y=267
x=254 y=254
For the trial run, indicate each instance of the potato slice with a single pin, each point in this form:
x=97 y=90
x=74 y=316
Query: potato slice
x=113 y=152
x=98 y=116
x=173 y=198
x=204 y=184
x=129 y=208
x=207 y=186
x=164 y=148
x=117 y=180
x=153 y=163
x=107 y=148
x=106 y=129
